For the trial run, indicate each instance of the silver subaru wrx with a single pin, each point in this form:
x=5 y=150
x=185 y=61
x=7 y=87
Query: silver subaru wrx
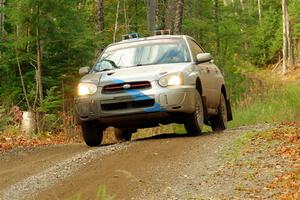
x=144 y=82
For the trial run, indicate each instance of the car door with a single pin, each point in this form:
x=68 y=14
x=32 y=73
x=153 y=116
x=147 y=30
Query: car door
x=207 y=71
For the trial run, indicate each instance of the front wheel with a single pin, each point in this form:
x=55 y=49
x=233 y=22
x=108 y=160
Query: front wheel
x=219 y=121
x=123 y=135
x=92 y=133
x=195 y=121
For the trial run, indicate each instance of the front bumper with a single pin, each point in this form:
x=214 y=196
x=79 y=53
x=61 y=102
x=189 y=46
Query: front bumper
x=133 y=102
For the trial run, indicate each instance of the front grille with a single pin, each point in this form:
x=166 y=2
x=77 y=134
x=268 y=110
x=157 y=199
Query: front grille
x=126 y=86
x=128 y=105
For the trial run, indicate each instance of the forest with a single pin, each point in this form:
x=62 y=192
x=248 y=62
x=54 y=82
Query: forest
x=43 y=43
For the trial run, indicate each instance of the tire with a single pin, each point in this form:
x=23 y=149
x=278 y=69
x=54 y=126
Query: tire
x=92 y=133
x=123 y=135
x=195 y=121
x=219 y=121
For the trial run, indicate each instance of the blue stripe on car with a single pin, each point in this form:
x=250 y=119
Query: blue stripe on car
x=139 y=96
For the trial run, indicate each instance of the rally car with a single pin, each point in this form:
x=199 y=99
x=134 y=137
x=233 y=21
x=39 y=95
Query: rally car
x=145 y=82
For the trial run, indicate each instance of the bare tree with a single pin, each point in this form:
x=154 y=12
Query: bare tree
x=288 y=48
x=99 y=15
x=285 y=36
x=259 y=11
x=178 y=17
x=116 y=21
x=152 y=6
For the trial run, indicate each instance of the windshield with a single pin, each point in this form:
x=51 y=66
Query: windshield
x=147 y=53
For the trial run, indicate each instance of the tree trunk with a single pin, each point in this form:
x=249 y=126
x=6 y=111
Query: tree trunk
x=39 y=116
x=161 y=14
x=152 y=5
x=298 y=48
x=234 y=8
x=2 y=18
x=136 y=16
x=259 y=11
x=99 y=16
x=116 y=21
x=39 y=57
x=190 y=10
x=125 y=16
x=225 y=3
x=217 y=30
x=178 y=17
x=170 y=15
x=291 y=60
x=20 y=72
x=285 y=39
x=242 y=4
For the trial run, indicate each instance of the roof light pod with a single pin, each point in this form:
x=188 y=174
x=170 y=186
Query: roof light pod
x=162 y=32
x=130 y=36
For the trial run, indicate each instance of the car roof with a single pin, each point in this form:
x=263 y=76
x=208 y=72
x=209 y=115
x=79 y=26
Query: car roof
x=156 y=37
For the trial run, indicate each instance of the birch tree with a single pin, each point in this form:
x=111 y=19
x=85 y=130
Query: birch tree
x=259 y=11
x=287 y=50
x=152 y=6
x=116 y=21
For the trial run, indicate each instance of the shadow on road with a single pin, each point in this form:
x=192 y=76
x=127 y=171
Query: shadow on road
x=172 y=135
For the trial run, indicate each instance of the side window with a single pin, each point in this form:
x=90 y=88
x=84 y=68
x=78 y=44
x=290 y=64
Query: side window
x=195 y=48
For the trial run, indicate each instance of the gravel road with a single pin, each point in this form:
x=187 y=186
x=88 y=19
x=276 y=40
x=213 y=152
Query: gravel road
x=167 y=166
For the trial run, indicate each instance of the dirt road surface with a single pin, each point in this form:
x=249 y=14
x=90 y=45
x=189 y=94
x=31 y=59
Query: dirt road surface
x=167 y=166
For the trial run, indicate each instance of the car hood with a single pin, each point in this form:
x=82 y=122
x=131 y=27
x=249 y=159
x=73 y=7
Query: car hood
x=132 y=74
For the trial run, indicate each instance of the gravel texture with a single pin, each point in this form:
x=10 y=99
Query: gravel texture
x=33 y=185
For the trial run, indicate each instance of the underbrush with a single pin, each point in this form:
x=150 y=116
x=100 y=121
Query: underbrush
x=269 y=100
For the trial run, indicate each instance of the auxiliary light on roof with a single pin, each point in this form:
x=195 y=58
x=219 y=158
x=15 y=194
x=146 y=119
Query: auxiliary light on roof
x=162 y=32
x=130 y=36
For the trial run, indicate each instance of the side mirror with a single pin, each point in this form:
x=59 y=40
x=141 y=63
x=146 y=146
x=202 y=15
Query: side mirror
x=204 y=57
x=84 y=70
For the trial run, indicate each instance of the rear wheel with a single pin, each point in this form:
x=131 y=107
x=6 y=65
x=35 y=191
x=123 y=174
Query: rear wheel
x=219 y=121
x=195 y=121
x=92 y=133
x=123 y=135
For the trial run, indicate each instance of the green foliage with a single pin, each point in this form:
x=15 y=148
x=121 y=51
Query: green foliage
x=52 y=101
x=68 y=41
x=266 y=39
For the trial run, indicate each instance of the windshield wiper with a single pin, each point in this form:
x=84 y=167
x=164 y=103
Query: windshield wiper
x=138 y=65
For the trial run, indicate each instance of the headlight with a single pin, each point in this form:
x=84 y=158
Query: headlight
x=86 y=89
x=171 y=80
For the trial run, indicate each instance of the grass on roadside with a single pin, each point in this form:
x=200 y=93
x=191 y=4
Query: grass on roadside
x=273 y=104
x=102 y=194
